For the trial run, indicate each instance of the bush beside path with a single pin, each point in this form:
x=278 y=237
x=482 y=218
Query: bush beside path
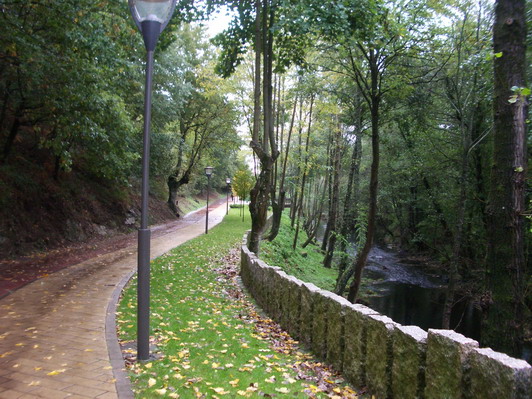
x=211 y=340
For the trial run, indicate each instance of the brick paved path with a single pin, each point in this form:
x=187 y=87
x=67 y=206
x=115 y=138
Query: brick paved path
x=53 y=338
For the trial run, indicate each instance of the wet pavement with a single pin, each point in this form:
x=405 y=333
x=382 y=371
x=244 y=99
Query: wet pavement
x=54 y=342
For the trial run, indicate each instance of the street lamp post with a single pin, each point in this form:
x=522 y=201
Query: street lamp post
x=208 y=173
x=151 y=17
x=228 y=181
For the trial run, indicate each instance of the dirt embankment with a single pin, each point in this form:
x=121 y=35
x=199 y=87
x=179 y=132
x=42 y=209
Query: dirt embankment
x=18 y=271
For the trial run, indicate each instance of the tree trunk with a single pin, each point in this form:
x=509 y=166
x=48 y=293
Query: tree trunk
x=454 y=277
x=329 y=188
x=11 y=137
x=305 y=173
x=257 y=75
x=267 y=150
x=333 y=212
x=258 y=206
x=173 y=188
x=295 y=202
x=350 y=204
x=174 y=182
x=503 y=329
x=362 y=255
x=317 y=215
x=371 y=91
x=279 y=207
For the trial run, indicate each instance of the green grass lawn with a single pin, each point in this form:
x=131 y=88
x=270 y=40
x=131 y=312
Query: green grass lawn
x=211 y=340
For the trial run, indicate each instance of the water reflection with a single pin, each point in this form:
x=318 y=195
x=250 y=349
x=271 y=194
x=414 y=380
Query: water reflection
x=409 y=296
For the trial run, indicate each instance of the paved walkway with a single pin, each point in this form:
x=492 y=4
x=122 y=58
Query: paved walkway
x=53 y=337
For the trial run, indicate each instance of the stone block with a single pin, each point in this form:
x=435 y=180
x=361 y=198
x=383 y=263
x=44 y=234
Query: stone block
x=278 y=283
x=447 y=365
x=379 y=355
x=245 y=260
x=320 y=322
x=269 y=289
x=309 y=293
x=258 y=285
x=336 y=330
x=284 y=297
x=496 y=375
x=408 y=369
x=247 y=237
x=355 y=331
x=293 y=312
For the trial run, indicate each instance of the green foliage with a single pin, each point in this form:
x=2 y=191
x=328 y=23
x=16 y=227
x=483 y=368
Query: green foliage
x=291 y=38
x=305 y=264
x=520 y=94
x=242 y=182
x=65 y=69
x=339 y=19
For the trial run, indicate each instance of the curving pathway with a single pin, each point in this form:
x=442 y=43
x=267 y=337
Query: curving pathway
x=54 y=342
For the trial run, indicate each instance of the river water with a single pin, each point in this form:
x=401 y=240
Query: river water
x=410 y=296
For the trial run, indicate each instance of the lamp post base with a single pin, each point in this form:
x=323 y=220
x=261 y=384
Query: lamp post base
x=143 y=295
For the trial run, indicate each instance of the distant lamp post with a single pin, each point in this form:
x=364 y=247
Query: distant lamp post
x=151 y=17
x=228 y=181
x=208 y=173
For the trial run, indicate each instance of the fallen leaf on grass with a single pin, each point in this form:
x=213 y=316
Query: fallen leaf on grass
x=220 y=391
x=252 y=388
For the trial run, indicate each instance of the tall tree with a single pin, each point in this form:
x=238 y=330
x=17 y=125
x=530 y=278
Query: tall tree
x=265 y=146
x=207 y=120
x=508 y=277
x=377 y=61
x=334 y=200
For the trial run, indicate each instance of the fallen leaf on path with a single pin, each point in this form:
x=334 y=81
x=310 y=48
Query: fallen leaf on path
x=55 y=372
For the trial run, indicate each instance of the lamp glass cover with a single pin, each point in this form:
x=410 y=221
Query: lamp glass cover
x=152 y=10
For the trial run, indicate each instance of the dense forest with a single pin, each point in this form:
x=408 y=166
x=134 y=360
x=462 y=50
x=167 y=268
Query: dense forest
x=398 y=123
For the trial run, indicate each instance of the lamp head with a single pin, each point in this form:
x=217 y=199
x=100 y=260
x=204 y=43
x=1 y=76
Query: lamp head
x=152 y=10
x=151 y=17
x=208 y=171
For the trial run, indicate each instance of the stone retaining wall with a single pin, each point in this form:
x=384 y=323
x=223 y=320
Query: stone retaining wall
x=371 y=350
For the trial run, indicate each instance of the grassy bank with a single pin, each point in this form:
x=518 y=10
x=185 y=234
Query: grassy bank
x=212 y=342
x=303 y=263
